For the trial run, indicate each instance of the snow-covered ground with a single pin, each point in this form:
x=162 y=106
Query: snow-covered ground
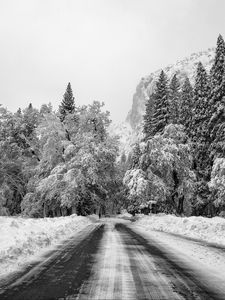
x=211 y=230
x=205 y=252
x=23 y=239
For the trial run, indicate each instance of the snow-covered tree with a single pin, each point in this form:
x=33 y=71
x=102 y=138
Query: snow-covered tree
x=174 y=99
x=160 y=117
x=76 y=174
x=217 y=183
x=186 y=105
x=217 y=101
x=67 y=105
x=148 y=117
x=164 y=172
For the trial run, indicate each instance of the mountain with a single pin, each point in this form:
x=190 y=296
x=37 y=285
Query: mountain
x=131 y=130
x=127 y=135
x=183 y=68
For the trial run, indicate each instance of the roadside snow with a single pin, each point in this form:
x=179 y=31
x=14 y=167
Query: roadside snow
x=206 y=252
x=22 y=239
x=211 y=230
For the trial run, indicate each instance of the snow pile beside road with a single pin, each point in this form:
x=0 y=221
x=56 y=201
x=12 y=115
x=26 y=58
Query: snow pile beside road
x=211 y=230
x=22 y=239
x=124 y=215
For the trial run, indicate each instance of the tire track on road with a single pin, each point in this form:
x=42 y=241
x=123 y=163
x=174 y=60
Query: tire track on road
x=63 y=275
x=165 y=277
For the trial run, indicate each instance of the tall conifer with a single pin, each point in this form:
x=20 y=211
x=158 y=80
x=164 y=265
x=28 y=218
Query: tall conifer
x=67 y=105
x=200 y=103
x=217 y=101
x=160 y=117
x=147 y=128
x=186 y=105
x=174 y=95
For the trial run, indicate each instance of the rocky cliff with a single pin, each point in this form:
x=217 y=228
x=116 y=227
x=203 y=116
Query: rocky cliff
x=184 y=67
x=131 y=130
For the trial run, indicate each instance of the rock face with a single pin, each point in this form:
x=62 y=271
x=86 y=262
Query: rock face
x=183 y=68
x=126 y=134
x=130 y=131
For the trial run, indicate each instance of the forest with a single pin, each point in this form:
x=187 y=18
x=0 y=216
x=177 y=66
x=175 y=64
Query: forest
x=180 y=162
x=55 y=163
x=58 y=163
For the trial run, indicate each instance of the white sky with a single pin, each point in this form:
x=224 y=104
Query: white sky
x=103 y=47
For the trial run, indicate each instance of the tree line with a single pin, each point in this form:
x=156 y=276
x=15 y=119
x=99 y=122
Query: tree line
x=58 y=163
x=181 y=159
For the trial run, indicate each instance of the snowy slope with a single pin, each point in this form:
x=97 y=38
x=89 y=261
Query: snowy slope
x=22 y=239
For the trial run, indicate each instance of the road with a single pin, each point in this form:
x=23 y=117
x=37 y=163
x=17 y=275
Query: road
x=110 y=260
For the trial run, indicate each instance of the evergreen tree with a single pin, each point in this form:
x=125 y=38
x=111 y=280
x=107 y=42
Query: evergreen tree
x=148 y=117
x=217 y=101
x=19 y=112
x=217 y=70
x=123 y=158
x=160 y=117
x=136 y=153
x=199 y=133
x=186 y=105
x=67 y=105
x=200 y=104
x=174 y=95
x=46 y=108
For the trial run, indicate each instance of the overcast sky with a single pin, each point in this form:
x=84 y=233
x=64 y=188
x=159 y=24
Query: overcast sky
x=103 y=47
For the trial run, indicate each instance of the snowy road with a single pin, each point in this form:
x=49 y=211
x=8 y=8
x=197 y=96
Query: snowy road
x=110 y=260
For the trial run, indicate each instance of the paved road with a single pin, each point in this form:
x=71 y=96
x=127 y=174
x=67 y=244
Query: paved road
x=111 y=261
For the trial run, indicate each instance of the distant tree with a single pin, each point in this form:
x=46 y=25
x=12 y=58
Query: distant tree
x=160 y=117
x=67 y=105
x=31 y=118
x=186 y=105
x=174 y=96
x=123 y=158
x=46 y=108
x=19 y=111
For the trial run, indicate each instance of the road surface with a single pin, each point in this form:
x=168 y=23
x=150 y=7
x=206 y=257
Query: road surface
x=110 y=260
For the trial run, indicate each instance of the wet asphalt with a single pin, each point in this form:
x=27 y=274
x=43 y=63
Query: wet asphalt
x=110 y=260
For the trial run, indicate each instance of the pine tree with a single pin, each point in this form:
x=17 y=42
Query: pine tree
x=148 y=117
x=136 y=153
x=217 y=70
x=160 y=117
x=186 y=105
x=217 y=101
x=199 y=125
x=200 y=104
x=199 y=133
x=67 y=105
x=174 y=95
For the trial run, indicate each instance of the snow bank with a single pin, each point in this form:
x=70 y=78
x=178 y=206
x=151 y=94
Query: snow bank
x=22 y=239
x=211 y=230
x=124 y=215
